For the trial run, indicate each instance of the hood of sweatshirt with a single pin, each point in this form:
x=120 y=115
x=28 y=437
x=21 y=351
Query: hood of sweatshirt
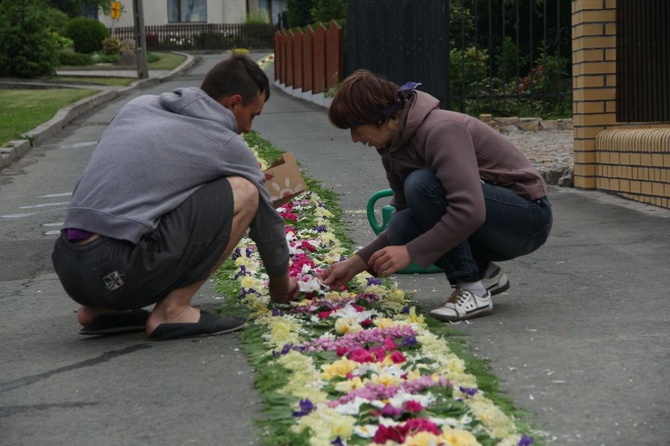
x=417 y=107
x=195 y=103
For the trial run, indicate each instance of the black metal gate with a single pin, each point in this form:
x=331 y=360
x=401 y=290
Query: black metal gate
x=504 y=57
x=402 y=40
x=643 y=61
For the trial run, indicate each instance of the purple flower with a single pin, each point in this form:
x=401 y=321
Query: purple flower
x=391 y=411
x=374 y=281
x=277 y=312
x=468 y=391
x=337 y=442
x=243 y=271
x=404 y=310
x=287 y=348
x=409 y=341
x=526 y=440
x=321 y=228
x=306 y=406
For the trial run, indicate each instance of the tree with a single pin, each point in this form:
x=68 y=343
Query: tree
x=27 y=49
x=75 y=8
x=299 y=12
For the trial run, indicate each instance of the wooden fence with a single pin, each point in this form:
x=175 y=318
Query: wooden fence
x=310 y=61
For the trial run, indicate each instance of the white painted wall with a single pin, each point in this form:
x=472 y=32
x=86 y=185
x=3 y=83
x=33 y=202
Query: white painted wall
x=155 y=13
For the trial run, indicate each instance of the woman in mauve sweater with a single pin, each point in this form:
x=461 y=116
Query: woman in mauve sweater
x=464 y=195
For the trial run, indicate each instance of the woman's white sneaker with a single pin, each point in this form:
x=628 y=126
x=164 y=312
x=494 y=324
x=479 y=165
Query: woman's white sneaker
x=497 y=283
x=461 y=305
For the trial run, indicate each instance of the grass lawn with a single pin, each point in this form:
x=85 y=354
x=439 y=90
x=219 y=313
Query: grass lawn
x=23 y=110
x=165 y=61
x=81 y=80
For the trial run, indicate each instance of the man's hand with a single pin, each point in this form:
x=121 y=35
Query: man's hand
x=339 y=274
x=283 y=289
x=388 y=260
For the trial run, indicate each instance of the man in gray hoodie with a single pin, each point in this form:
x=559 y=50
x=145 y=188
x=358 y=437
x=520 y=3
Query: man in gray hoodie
x=168 y=193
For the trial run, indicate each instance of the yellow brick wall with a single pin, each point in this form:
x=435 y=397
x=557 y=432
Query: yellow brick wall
x=593 y=86
x=631 y=160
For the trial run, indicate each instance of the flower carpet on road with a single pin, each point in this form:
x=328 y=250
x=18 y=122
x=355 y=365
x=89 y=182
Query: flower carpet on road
x=354 y=366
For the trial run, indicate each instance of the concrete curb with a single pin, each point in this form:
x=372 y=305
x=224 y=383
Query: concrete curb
x=18 y=148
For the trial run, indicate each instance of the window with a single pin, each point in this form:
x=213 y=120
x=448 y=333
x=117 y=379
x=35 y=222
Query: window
x=187 y=11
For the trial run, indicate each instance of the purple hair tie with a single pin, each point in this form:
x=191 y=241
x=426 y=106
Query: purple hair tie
x=386 y=112
x=408 y=86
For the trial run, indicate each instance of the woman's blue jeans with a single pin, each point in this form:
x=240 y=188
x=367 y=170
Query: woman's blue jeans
x=514 y=225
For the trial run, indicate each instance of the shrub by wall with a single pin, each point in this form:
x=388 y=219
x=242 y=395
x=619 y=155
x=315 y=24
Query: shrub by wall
x=87 y=34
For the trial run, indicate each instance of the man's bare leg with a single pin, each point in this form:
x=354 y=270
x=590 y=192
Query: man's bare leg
x=176 y=306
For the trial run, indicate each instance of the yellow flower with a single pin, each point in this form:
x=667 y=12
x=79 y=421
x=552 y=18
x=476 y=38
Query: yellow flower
x=457 y=437
x=499 y=424
x=251 y=282
x=385 y=379
x=344 y=326
x=283 y=331
x=423 y=439
x=323 y=212
x=385 y=322
x=326 y=425
x=339 y=368
x=349 y=385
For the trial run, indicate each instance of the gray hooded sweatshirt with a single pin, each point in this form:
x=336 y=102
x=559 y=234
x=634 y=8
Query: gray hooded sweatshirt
x=155 y=153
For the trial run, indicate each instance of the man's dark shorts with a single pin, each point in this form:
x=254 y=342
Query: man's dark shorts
x=182 y=250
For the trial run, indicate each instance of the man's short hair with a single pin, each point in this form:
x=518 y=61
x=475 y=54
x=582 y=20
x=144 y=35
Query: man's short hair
x=236 y=75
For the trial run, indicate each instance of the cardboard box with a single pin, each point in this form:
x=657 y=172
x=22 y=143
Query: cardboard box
x=283 y=180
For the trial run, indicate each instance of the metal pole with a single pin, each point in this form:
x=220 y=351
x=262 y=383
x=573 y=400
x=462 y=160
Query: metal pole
x=140 y=41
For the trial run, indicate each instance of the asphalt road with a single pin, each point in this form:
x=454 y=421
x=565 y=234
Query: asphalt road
x=581 y=340
x=60 y=388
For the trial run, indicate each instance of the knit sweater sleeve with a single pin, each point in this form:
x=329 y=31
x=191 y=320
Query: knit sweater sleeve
x=449 y=151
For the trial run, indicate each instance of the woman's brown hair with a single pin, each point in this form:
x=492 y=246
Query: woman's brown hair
x=363 y=98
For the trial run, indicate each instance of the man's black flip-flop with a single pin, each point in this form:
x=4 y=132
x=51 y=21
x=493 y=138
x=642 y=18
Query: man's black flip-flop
x=208 y=325
x=107 y=324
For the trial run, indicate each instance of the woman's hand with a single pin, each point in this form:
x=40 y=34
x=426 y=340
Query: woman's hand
x=388 y=260
x=283 y=289
x=339 y=274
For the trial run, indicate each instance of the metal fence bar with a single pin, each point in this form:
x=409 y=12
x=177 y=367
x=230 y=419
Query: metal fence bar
x=209 y=36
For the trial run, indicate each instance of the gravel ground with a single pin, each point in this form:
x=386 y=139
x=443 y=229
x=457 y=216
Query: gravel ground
x=550 y=151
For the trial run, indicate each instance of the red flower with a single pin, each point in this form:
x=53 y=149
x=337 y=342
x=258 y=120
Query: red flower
x=324 y=314
x=397 y=357
x=390 y=433
x=366 y=323
x=413 y=406
x=361 y=355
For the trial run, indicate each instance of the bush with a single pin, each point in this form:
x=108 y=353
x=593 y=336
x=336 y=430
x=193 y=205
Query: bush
x=74 y=59
x=61 y=42
x=56 y=20
x=87 y=34
x=26 y=47
x=299 y=12
x=112 y=45
x=326 y=10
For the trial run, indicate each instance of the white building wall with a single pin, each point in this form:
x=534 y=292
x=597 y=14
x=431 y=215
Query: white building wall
x=155 y=13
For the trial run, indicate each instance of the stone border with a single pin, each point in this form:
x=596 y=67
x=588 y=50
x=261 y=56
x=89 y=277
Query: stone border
x=515 y=124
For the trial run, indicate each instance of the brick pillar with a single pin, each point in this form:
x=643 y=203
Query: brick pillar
x=593 y=82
